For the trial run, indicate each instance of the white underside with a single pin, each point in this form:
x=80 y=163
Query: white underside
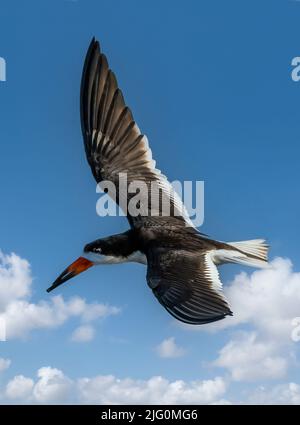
x=136 y=257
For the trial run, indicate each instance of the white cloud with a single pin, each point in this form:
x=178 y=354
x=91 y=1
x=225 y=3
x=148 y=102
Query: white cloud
x=21 y=316
x=222 y=402
x=15 y=279
x=111 y=390
x=84 y=333
x=96 y=310
x=249 y=359
x=53 y=386
x=280 y=394
x=19 y=388
x=169 y=349
x=4 y=364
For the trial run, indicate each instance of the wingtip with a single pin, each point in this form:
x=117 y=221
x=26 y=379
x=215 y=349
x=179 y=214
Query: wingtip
x=94 y=45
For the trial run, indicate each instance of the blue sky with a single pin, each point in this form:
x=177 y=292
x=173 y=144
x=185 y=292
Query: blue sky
x=210 y=84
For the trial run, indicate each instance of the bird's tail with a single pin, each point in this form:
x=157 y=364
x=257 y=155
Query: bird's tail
x=252 y=253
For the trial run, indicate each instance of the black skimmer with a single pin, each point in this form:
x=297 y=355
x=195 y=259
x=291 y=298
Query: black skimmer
x=181 y=262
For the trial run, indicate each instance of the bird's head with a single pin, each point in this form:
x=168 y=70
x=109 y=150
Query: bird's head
x=94 y=253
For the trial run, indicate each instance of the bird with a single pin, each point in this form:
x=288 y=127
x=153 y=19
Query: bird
x=182 y=263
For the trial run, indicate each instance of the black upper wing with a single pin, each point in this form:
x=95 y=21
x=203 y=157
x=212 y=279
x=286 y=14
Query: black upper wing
x=114 y=144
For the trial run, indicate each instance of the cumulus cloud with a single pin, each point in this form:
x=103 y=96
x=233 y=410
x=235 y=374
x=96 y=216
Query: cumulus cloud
x=19 y=388
x=288 y=393
x=53 y=386
x=84 y=333
x=111 y=390
x=169 y=349
x=15 y=279
x=248 y=359
x=21 y=315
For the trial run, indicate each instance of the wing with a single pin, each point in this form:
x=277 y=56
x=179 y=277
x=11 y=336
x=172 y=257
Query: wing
x=187 y=285
x=117 y=150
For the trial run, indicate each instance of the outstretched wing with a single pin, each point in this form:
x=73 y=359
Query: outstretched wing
x=187 y=285
x=114 y=144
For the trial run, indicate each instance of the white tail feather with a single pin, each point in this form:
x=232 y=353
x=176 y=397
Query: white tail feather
x=247 y=251
x=256 y=247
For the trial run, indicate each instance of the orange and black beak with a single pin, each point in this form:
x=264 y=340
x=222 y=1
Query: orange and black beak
x=79 y=266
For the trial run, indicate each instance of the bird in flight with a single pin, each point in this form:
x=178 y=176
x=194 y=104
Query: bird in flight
x=181 y=262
